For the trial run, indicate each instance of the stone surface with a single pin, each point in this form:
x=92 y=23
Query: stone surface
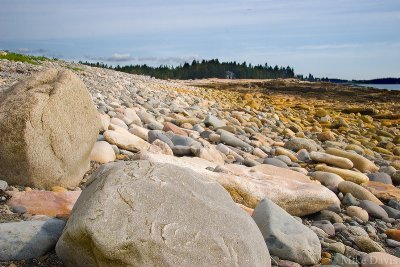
x=49 y=125
x=28 y=239
x=373 y=209
x=126 y=141
x=102 y=152
x=379 y=259
x=383 y=191
x=331 y=160
x=292 y=191
x=360 y=163
x=327 y=178
x=3 y=185
x=275 y=162
x=286 y=237
x=232 y=140
x=347 y=175
x=44 y=202
x=185 y=220
x=358 y=192
x=173 y=128
x=367 y=245
x=295 y=144
x=357 y=212
x=393 y=233
x=380 y=177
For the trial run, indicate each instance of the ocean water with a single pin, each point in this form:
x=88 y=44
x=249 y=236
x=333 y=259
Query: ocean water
x=382 y=86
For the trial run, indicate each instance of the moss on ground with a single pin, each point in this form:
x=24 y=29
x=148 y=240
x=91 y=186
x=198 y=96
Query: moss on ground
x=35 y=60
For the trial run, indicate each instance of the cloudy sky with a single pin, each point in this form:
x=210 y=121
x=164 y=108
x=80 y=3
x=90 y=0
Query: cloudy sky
x=343 y=38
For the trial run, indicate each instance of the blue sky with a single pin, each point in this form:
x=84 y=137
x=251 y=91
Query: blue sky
x=343 y=38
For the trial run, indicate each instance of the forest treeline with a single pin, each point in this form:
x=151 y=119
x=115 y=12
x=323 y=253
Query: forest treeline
x=205 y=69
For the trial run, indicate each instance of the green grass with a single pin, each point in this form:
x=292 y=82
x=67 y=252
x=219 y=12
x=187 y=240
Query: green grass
x=74 y=68
x=35 y=60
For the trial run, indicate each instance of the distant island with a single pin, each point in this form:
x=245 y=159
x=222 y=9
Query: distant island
x=372 y=81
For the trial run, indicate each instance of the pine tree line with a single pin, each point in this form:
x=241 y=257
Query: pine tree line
x=205 y=69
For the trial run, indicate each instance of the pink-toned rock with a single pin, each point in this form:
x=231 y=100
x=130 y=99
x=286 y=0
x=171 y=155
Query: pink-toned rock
x=160 y=147
x=44 y=202
x=292 y=191
x=246 y=209
x=382 y=191
x=379 y=259
x=168 y=126
x=105 y=122
x=102 y=152
x=126 y=140
x=119 y=123
x=132 y=117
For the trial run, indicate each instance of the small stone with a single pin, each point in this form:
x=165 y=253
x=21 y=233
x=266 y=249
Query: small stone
x=393 y=233
x=102 y=152
x=357 y=212
x=286 y=237
x=44 y=202
x=326 y=226
x=349 y=200
x=295 y=144
x=367 y=245
x=380 y=177
x=347 y=175
x=28 y=239
x=331 y=160
x=275 y=162
x=3 y=185
x=373 y=209
x=358 y=191
x=392 y=243
x=379 y=259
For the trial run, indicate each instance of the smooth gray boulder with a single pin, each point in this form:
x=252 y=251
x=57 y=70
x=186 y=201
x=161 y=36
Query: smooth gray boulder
x=286 y=237
x=142 y=213
x=214 y=121
x=28 y=239
x=49 y=125
x=232 y=140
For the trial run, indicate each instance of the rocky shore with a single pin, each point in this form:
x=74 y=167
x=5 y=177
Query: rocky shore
x=103 y=168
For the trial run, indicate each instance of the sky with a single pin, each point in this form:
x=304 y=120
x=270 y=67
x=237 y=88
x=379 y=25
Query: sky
x=349 y=39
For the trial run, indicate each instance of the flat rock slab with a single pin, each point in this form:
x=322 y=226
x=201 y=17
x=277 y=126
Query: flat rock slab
x=383 y=191
x=28 y=239
x=294 y=192
x=44 y=202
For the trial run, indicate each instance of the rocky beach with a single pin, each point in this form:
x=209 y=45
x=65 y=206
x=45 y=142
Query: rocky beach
x=104 y=168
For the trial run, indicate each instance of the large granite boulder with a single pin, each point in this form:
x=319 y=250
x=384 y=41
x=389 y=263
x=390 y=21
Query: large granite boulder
x=293 y=191
x=142 y=213
x=286 y=237
x=49 y=125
